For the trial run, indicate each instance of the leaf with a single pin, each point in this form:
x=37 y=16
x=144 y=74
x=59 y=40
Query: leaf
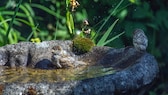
x=26 y=8
x=11 y=23
x=49 y=11
x=29 y=8
x=113 y=38
x=19 y=14
x=70 y=22
x=4 y=22
x=67 y=3
x=105 y=36
x=30 y=35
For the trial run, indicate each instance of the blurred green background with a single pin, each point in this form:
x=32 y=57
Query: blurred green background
x=46 y=20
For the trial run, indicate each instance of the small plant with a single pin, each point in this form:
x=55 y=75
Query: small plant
x=103 y=40
x=82 y=45
x=70 y=7
x=6 y=35
x=83 y=42
x=86 y=31
x=27 y=16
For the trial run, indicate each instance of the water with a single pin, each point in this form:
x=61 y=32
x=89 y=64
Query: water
x=24 y=75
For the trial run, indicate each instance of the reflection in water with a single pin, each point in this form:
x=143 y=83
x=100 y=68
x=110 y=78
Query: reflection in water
x=24 y=75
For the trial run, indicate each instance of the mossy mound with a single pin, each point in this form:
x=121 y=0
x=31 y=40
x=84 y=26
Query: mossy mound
x=82 y=45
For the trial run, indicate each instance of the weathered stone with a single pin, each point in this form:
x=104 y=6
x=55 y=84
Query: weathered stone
x=31 y=54
x=134 y=70
x=18 y=54
x=43 y=50
x=125 y=81
x=3 y=56
x=28 y=54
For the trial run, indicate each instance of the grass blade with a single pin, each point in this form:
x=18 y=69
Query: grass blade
x=11 y=23
x=105 y=36
x=56 y=28
x=70 y=22
x=5 y=21
x=113 y=38
x=27 y=9
x=31 y=34
x=11 y=13
x=108 y=18
x=27 y=23
x=46 y=10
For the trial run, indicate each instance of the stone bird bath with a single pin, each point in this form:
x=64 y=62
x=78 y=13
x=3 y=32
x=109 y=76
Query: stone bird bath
x=51 y=68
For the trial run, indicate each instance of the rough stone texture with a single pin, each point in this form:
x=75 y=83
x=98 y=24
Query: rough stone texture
x=121 y=58
x=3 y=56
x=18 y=54
x=124 y=81
x=136 y=70
x=29 y=54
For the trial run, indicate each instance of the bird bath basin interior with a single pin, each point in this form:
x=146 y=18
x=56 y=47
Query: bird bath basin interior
x=24 y=74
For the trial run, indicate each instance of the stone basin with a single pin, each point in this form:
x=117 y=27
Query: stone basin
x=104 y=70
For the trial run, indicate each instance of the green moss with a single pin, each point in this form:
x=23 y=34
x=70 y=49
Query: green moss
x=82 y=45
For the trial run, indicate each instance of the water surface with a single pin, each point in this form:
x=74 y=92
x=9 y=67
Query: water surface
x=24 y=75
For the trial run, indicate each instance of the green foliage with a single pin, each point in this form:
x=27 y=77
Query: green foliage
x=28 y=16
x=69 y=17
x=103 y=41
x=5 y=30
x=105 y=20
x=47 y=20
x=70 y=22
x=11 y=23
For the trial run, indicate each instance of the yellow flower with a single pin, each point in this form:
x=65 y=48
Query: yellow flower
x=35 y=40
x=74 y=4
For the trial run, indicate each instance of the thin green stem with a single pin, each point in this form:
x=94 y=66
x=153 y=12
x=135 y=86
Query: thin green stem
x=49 y=11
x=56 y=28
x=11 y=23
x=31 y=34
x=29 y=16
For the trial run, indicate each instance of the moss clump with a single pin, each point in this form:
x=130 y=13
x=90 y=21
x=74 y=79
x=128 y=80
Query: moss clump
x=82 y=45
